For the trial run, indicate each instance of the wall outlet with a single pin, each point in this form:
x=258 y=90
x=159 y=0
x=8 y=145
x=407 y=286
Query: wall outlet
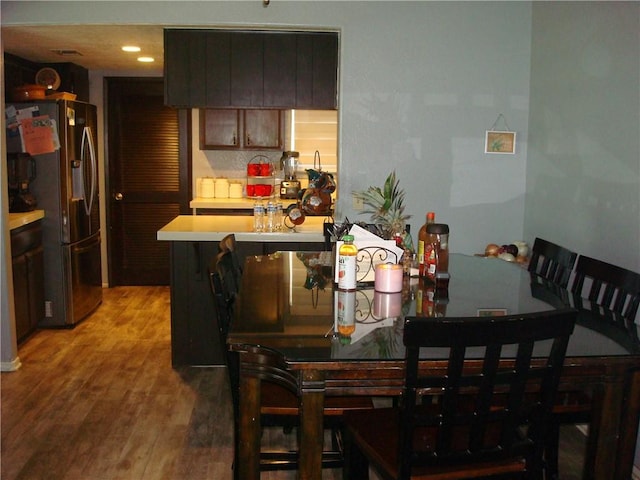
x=358 y=204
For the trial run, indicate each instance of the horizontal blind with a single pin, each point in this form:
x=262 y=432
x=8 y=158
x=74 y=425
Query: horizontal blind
x=317 y=130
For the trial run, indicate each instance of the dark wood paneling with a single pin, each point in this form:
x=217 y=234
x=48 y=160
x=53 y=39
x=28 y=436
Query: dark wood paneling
x=246 y=70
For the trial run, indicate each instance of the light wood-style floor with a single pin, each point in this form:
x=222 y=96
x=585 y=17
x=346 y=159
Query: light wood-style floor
x=102 y=402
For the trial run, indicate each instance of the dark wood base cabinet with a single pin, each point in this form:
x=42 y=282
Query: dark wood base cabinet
x=27 y=259
x=195 y=339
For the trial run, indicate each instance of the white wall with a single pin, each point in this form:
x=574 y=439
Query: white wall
x=583 y=170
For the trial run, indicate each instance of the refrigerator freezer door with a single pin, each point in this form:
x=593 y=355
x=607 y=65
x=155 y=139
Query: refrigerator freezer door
x=82 y=262
x=78 y=152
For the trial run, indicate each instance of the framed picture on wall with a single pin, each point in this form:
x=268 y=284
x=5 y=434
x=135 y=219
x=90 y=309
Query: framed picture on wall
x=500 y=142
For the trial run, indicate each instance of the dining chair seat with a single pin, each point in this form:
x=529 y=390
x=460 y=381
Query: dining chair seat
x=448 y=424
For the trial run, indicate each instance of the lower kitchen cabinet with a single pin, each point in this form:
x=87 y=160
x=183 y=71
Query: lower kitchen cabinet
x=27 y=259
x=194 y=328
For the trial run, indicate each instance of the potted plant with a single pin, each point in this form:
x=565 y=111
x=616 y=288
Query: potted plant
x=386 y=207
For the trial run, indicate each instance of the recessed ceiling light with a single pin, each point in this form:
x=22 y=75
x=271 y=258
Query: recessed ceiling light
x=146 y=59
x=131 y=48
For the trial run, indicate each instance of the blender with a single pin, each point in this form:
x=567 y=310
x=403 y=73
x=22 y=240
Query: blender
x=290 y=185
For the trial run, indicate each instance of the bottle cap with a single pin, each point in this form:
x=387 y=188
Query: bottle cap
x=438 y=228
x=347 y=238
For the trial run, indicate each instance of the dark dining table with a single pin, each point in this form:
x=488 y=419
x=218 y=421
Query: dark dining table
x=288 y=306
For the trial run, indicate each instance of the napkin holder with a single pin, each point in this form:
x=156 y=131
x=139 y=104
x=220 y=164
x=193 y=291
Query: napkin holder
x=370 y=254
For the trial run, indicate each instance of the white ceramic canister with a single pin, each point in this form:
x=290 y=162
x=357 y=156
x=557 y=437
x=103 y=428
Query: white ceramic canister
x=235 y=189
x=208 y=187
x=222 y=187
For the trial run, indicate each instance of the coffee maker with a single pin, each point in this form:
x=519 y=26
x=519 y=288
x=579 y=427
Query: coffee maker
x=21 y=171
x=290 y=185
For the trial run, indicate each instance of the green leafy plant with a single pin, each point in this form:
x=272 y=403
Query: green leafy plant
x=385 y=205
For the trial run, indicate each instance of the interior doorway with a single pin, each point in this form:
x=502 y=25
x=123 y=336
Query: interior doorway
x=144 y=178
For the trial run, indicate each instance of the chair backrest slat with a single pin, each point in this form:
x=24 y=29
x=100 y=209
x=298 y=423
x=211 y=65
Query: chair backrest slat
x=611 y=287
x=552 y=262
x=493 y=385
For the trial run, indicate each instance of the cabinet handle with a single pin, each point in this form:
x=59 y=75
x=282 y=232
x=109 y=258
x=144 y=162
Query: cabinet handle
x=234 y=139
x=248 y=139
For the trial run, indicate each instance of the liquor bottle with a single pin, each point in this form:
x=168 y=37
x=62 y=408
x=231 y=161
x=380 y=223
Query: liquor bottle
x=422 y=242
x=347 y=264
x=436 y=254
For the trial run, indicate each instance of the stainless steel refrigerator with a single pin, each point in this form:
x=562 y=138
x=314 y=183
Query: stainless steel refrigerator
x=66 y=187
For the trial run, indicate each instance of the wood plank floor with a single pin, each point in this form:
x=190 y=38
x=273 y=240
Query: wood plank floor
x=101 y=402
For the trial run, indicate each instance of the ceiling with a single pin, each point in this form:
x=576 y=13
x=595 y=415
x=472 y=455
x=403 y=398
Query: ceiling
x=98 y=46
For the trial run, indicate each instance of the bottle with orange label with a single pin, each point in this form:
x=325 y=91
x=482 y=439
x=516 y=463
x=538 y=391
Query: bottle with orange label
x=422 y=242
x=347 y=257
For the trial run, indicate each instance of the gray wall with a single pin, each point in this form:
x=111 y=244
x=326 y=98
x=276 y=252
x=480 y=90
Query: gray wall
x=583 y=166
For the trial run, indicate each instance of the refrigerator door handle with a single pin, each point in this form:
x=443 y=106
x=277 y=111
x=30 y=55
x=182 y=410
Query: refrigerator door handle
x=87 y=145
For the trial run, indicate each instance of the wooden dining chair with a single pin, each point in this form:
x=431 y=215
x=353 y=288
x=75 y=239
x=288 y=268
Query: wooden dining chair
x=612 y=291
x=228 y=244
x=279 y=405
x=449 y=424
x=552 y=262
x=610 y=294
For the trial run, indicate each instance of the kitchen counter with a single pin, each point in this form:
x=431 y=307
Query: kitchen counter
x=17 y=220
x=193 y=244
x=216 y=227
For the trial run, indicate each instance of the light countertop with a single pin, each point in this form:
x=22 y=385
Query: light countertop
x=17 y=220
x=223 y=203
x=216 y=227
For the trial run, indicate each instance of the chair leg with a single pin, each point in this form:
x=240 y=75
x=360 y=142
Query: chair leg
x=356 y=466
x=552 y=446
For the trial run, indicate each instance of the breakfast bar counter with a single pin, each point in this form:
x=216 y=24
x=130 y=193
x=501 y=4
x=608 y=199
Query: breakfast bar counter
x=216 y=227
x=193 y=244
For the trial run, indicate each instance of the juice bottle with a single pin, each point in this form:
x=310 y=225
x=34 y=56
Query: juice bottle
x=346 y=315
x=347 y=264
x=422 y=242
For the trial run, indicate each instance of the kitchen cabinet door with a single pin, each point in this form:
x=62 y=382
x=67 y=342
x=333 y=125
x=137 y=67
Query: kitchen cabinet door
x=224 y=129
x=218 y=66
x=262 y=129
x=317 y=71
x=185 y=68
x=219 y=129
x=279 y=73
x=246 y=69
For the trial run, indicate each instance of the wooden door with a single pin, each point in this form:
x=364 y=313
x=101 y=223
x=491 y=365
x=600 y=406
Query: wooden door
x=144 y=180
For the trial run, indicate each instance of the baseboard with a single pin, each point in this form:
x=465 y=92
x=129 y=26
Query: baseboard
x=11 y=366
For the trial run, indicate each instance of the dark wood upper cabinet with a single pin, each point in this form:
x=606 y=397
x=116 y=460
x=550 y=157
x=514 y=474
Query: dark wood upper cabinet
x=251 y=69
x=241 y=129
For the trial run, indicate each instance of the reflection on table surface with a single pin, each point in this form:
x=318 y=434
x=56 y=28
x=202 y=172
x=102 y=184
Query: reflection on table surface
x=288 y=302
